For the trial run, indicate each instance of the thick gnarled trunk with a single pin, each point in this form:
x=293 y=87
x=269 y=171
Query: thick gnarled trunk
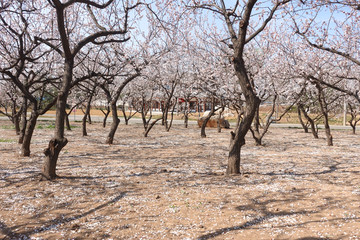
x=52 y=155
x=58 y=142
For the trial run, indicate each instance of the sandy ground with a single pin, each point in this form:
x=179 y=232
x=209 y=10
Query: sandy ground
x=171 y=185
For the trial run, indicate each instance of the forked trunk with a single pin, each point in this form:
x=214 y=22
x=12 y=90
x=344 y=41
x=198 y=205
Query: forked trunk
x=353 y=121
x=311 y=121
x=149 y=127
x=106 y=115
x=304 y=126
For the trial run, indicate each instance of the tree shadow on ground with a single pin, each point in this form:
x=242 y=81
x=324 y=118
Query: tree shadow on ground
x=54 y=223
x=265 y=212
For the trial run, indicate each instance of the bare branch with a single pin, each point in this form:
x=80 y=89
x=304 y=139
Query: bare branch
x=331 y=50
x=94 y=18
x=94 y=36
x=267 y=20
x=92 y=3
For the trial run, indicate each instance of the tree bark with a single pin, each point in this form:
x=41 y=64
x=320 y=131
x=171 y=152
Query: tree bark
x=58 y=142
x=87 y=113
x=186 y=120
x=115 y=123
x=186 y=115
x=149 y=127
x=16 y=119
x=25 y=147
x=52 y=155
x=304 y=126
x=353 y=121
x=207 y=118
x=171 y=119
x=67 y=121
x=325 y=112
x=234 y=155
x=255 y=130
x=220 y=117
x=106 y=115
x=252 y=103
x=23 y=121
x=309 y=119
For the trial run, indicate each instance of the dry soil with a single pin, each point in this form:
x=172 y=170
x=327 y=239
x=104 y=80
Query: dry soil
x=172 y=185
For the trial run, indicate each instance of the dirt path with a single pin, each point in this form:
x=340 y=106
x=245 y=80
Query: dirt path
x=172 y=186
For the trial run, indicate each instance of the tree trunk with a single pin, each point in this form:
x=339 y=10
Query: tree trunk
x=353 y=121
x=219 y=119
x=329 y=137
x=325 y=112
x=114 y=125
x=23 y=121
x=171 y=119
x=165 y=117
x=255 y=130
x=149 y=127
x=353 y=127
x=207 y=118
x=312 y=123
x=68 y=127
x=186 y=115
x=124 y=114
x=16 y=119
x=89 y=115
x=234 y=155
x=25 y=147
x=83 y=126
x=58 y=142
x=252 y=103
x=106 y=115
x=86 y=115
x=52 y=155
x=304 y=126
x=186 y=120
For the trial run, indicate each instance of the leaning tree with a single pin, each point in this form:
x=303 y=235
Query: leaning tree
x=243 y=24
x=71 y=43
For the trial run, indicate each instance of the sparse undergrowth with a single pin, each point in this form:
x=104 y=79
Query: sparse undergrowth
x=171 y=185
